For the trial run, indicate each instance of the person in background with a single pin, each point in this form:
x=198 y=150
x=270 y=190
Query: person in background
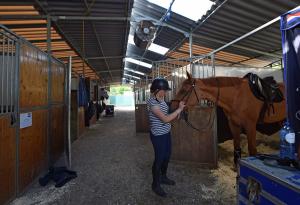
x=103 y=95
x=160 y=127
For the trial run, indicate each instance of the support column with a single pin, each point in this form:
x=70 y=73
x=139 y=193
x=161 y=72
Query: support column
x=49 y=134
x=69 y=71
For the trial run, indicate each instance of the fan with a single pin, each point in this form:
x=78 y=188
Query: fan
x=144 y=33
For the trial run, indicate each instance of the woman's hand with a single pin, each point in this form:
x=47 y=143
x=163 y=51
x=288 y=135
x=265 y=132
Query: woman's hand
x=181 y=105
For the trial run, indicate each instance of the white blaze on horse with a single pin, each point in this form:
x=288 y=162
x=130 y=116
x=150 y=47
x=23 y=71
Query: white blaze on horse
x=242 y=108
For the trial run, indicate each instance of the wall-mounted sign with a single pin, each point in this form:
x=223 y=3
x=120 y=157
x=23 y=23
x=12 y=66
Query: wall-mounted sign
x=25 y=120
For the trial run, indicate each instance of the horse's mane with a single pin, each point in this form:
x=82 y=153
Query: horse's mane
x=222 y=81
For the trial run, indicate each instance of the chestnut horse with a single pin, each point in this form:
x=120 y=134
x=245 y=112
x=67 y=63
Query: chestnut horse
x=240 y=106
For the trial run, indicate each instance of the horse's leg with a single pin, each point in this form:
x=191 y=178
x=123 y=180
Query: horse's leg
x=251 y=137
x=236 y=131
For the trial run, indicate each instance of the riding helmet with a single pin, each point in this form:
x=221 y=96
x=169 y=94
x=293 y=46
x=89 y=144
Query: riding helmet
x=159 y=84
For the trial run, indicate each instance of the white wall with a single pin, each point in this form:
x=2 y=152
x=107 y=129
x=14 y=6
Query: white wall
x=240 y=72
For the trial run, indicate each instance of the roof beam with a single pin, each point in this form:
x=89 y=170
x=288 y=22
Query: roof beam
x=60 y=31
x=88 y=7
x=225 y=61
x=93 y=18
x=106 y=71
x=55 y=18
x=246 y=35
x=197 y=36
x=104 y=57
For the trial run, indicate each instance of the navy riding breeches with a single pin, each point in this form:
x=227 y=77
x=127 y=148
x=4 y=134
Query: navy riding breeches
x=162 y=148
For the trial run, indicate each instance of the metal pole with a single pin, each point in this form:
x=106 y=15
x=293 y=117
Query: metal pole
x=69 y=73
x=213 y=65
x=191 y=44
x=17 y=111
x=158 y=70
x=12 y=76
x=49 y=89
x=6 y=78
x=2 y=77
x=153 y=68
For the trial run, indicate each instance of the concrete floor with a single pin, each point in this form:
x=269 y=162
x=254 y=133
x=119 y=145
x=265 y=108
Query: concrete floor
x=113 y=164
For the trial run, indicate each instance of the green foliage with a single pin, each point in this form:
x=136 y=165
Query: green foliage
x=119 y=90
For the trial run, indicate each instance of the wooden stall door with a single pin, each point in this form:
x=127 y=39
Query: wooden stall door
x=141 y=118
x=57 y=127
x=58 y=111
x=33 y=149
x=33 y=99
x=74 y=116
x=8 y=115
x=81 y=121
x=7 y=159
x=192 y=146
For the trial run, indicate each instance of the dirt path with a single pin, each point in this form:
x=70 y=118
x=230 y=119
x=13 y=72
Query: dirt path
x=114 y=167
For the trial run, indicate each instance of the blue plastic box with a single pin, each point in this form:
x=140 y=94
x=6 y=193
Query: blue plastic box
x=259 y=183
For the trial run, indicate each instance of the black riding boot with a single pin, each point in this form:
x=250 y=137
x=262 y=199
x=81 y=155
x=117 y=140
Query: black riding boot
x=156 y=182
x=164 y=178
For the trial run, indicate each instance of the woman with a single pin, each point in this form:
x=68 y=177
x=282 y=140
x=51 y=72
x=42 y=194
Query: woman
x=160 y=133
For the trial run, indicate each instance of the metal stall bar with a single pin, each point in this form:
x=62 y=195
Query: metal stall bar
x=173 y=79
x=9 y=86
x=49 y=89
x=158 y=70
x=12 y=77
x=6 y=94
x=68 y=82
x=207 y=68
x=213 y=65
x=8 y=103
x=1 y=77
x=17 y=110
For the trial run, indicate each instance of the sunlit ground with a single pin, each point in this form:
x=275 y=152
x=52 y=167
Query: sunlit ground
x=124 y=108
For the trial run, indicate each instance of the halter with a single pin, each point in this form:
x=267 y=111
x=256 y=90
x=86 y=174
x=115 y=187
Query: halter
x=188 y=93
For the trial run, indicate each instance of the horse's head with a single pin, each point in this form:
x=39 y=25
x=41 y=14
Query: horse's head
x=193 y=92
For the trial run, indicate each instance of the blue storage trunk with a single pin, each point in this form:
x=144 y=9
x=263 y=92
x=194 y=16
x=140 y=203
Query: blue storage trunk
x=259 y=183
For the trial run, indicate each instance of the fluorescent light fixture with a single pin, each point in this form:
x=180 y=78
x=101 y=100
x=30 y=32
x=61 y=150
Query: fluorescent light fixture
x=158 y=49
x=137 y=72
x=132 y=76
x=130 y=39
x=192 y=9
x=153 y=47
x=141 y=63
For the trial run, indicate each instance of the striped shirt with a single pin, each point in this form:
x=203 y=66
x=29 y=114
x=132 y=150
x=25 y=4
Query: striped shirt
x=157 y=126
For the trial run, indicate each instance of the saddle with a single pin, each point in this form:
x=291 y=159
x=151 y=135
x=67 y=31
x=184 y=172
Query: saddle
x=266 y=90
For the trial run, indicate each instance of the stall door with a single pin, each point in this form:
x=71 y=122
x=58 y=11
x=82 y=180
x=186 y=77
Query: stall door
x=8 y=115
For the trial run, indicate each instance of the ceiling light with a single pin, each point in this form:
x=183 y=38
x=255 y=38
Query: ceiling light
x=141 y=63
x=131 y=76
x=137 y=72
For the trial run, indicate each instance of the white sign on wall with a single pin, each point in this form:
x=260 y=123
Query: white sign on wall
x=25 y=120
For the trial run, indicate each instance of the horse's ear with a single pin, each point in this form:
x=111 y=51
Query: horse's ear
x=189 y=76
